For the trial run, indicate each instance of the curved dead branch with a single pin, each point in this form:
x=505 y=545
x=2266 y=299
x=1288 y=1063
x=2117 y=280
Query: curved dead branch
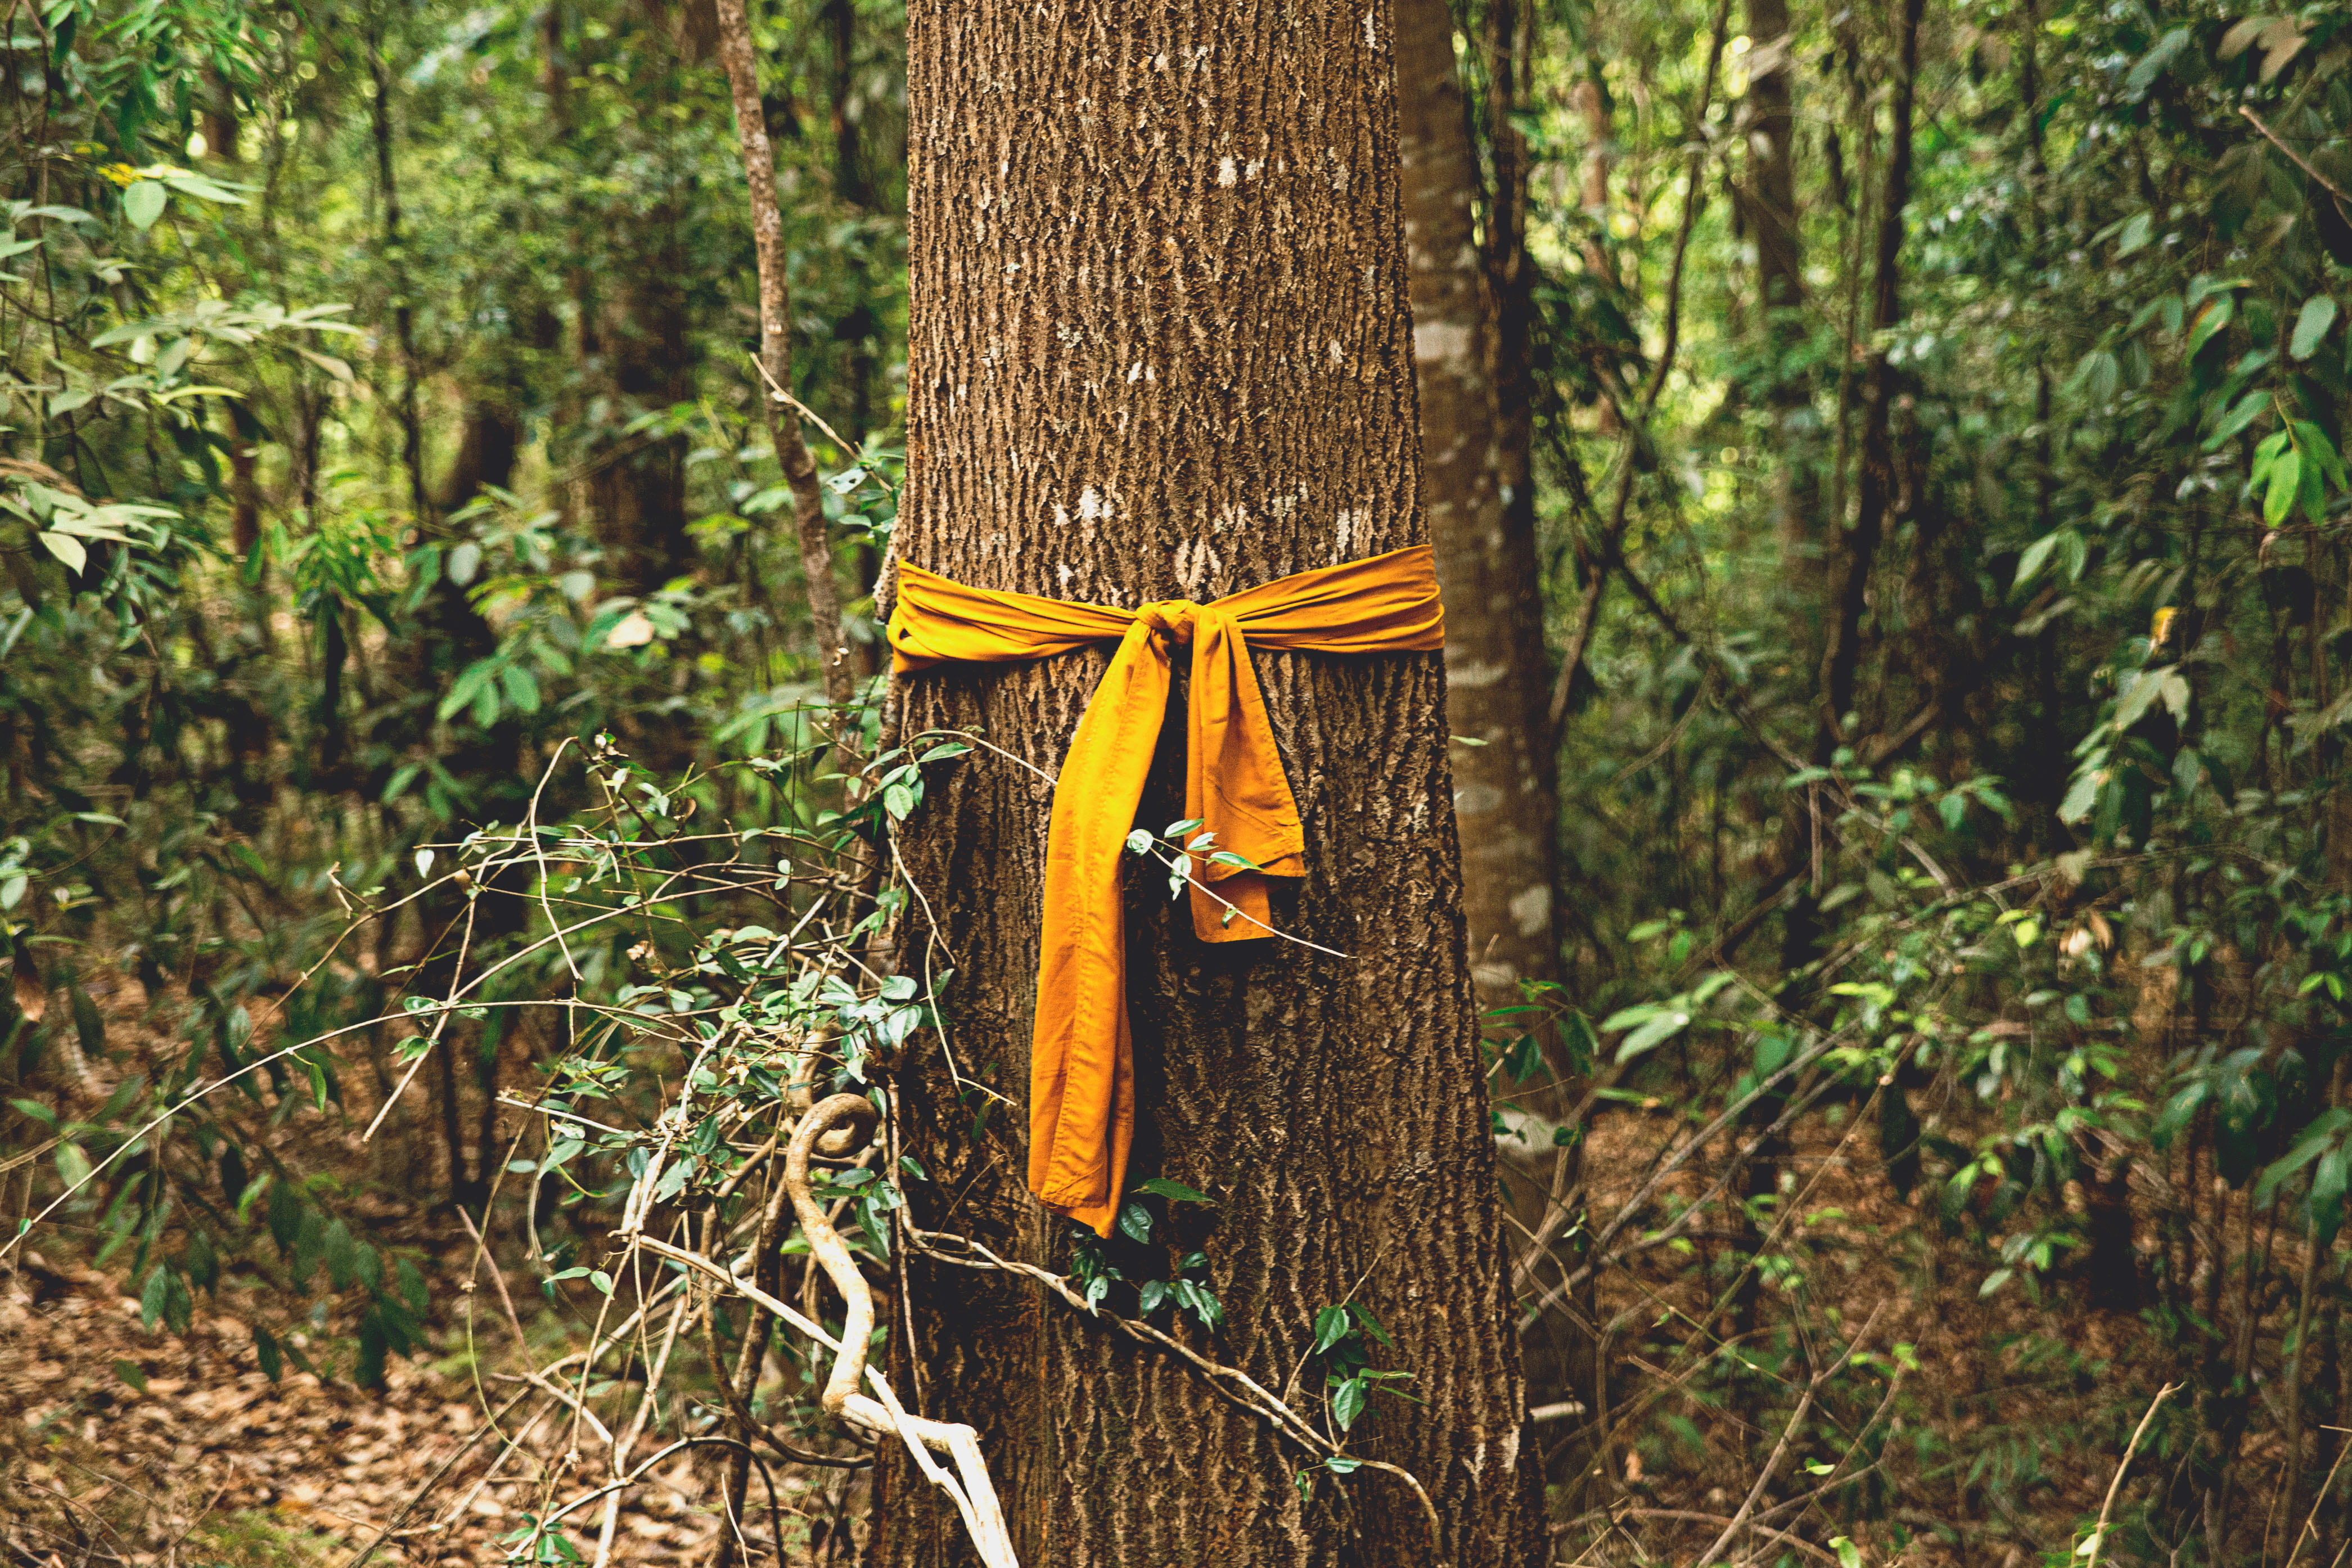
x=839 y=1124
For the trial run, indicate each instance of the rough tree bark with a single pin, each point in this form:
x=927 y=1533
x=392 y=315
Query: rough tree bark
x=1506 y=793
x=1160 y=349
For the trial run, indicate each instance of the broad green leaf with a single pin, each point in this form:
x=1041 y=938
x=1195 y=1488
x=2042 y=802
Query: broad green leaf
x=2313 y=1143
x=2248 y=409
x=1652 y=1035
x=67 y=549
x=2328 y=1183
x=2082 y=795
x=1348 y=1403
x=2143 y=690
x=2285 y=479
x=521 y=689
x=2152 y=64
x=2215 y=316
x=2311 y=324
x=142 y=203
x=153 y=1295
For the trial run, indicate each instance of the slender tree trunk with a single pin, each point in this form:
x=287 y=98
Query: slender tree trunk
x=1160 y=350
x=1876 y=490
x=776 y=353
x=403 y=316
x=1768 y=200
x=1505 y=795
x=1510 y=275
x=849 y=181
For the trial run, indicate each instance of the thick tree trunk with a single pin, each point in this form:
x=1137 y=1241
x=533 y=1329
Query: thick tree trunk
x=1496 y=685
x=1160 y=350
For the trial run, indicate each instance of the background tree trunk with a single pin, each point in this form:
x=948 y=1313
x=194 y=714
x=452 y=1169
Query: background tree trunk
x=1160 y=350
x=1768 y=200
x=1504 y=786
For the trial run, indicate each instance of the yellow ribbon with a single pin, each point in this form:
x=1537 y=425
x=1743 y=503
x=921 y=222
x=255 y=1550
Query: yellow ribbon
x=1082 y=1061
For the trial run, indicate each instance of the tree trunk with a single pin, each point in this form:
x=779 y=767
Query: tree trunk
x=1505 y=796
x=1876 y=492
x=1769 y=198
x=784 y=438
x=637 y=487
x=1160 y=350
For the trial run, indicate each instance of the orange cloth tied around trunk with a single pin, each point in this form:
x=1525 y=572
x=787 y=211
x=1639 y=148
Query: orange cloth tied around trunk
x=1081 y=1061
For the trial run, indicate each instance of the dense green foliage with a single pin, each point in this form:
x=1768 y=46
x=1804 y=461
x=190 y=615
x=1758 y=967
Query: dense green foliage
x=1956 y=780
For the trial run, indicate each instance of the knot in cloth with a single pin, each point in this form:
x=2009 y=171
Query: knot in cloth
x=1171 y=620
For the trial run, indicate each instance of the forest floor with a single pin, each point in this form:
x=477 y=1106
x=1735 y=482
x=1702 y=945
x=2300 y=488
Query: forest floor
x=121 y=1444
x=2013 y=1405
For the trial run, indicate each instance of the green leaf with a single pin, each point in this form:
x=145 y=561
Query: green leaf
x=1174 y=1191
x=2285 y=479
x=154 y=1294
x=130 y=1372
x=342 y=1255
x=2152 y=64
x=1652 y=1035
x=2248 y=409
x=2082 y=795
x=521 y=689
x=2328 y=1183
x=2311 y=324
x=1348 y=1403
x=2313 y=1143
x=142 y=203
x=2144 y=689
x=2098 y=375
x=2215 y=316
x=2036 y=555
x=1331 y=1326
x=67 y=549
x=1135 y=1221
x=1849 y=1555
